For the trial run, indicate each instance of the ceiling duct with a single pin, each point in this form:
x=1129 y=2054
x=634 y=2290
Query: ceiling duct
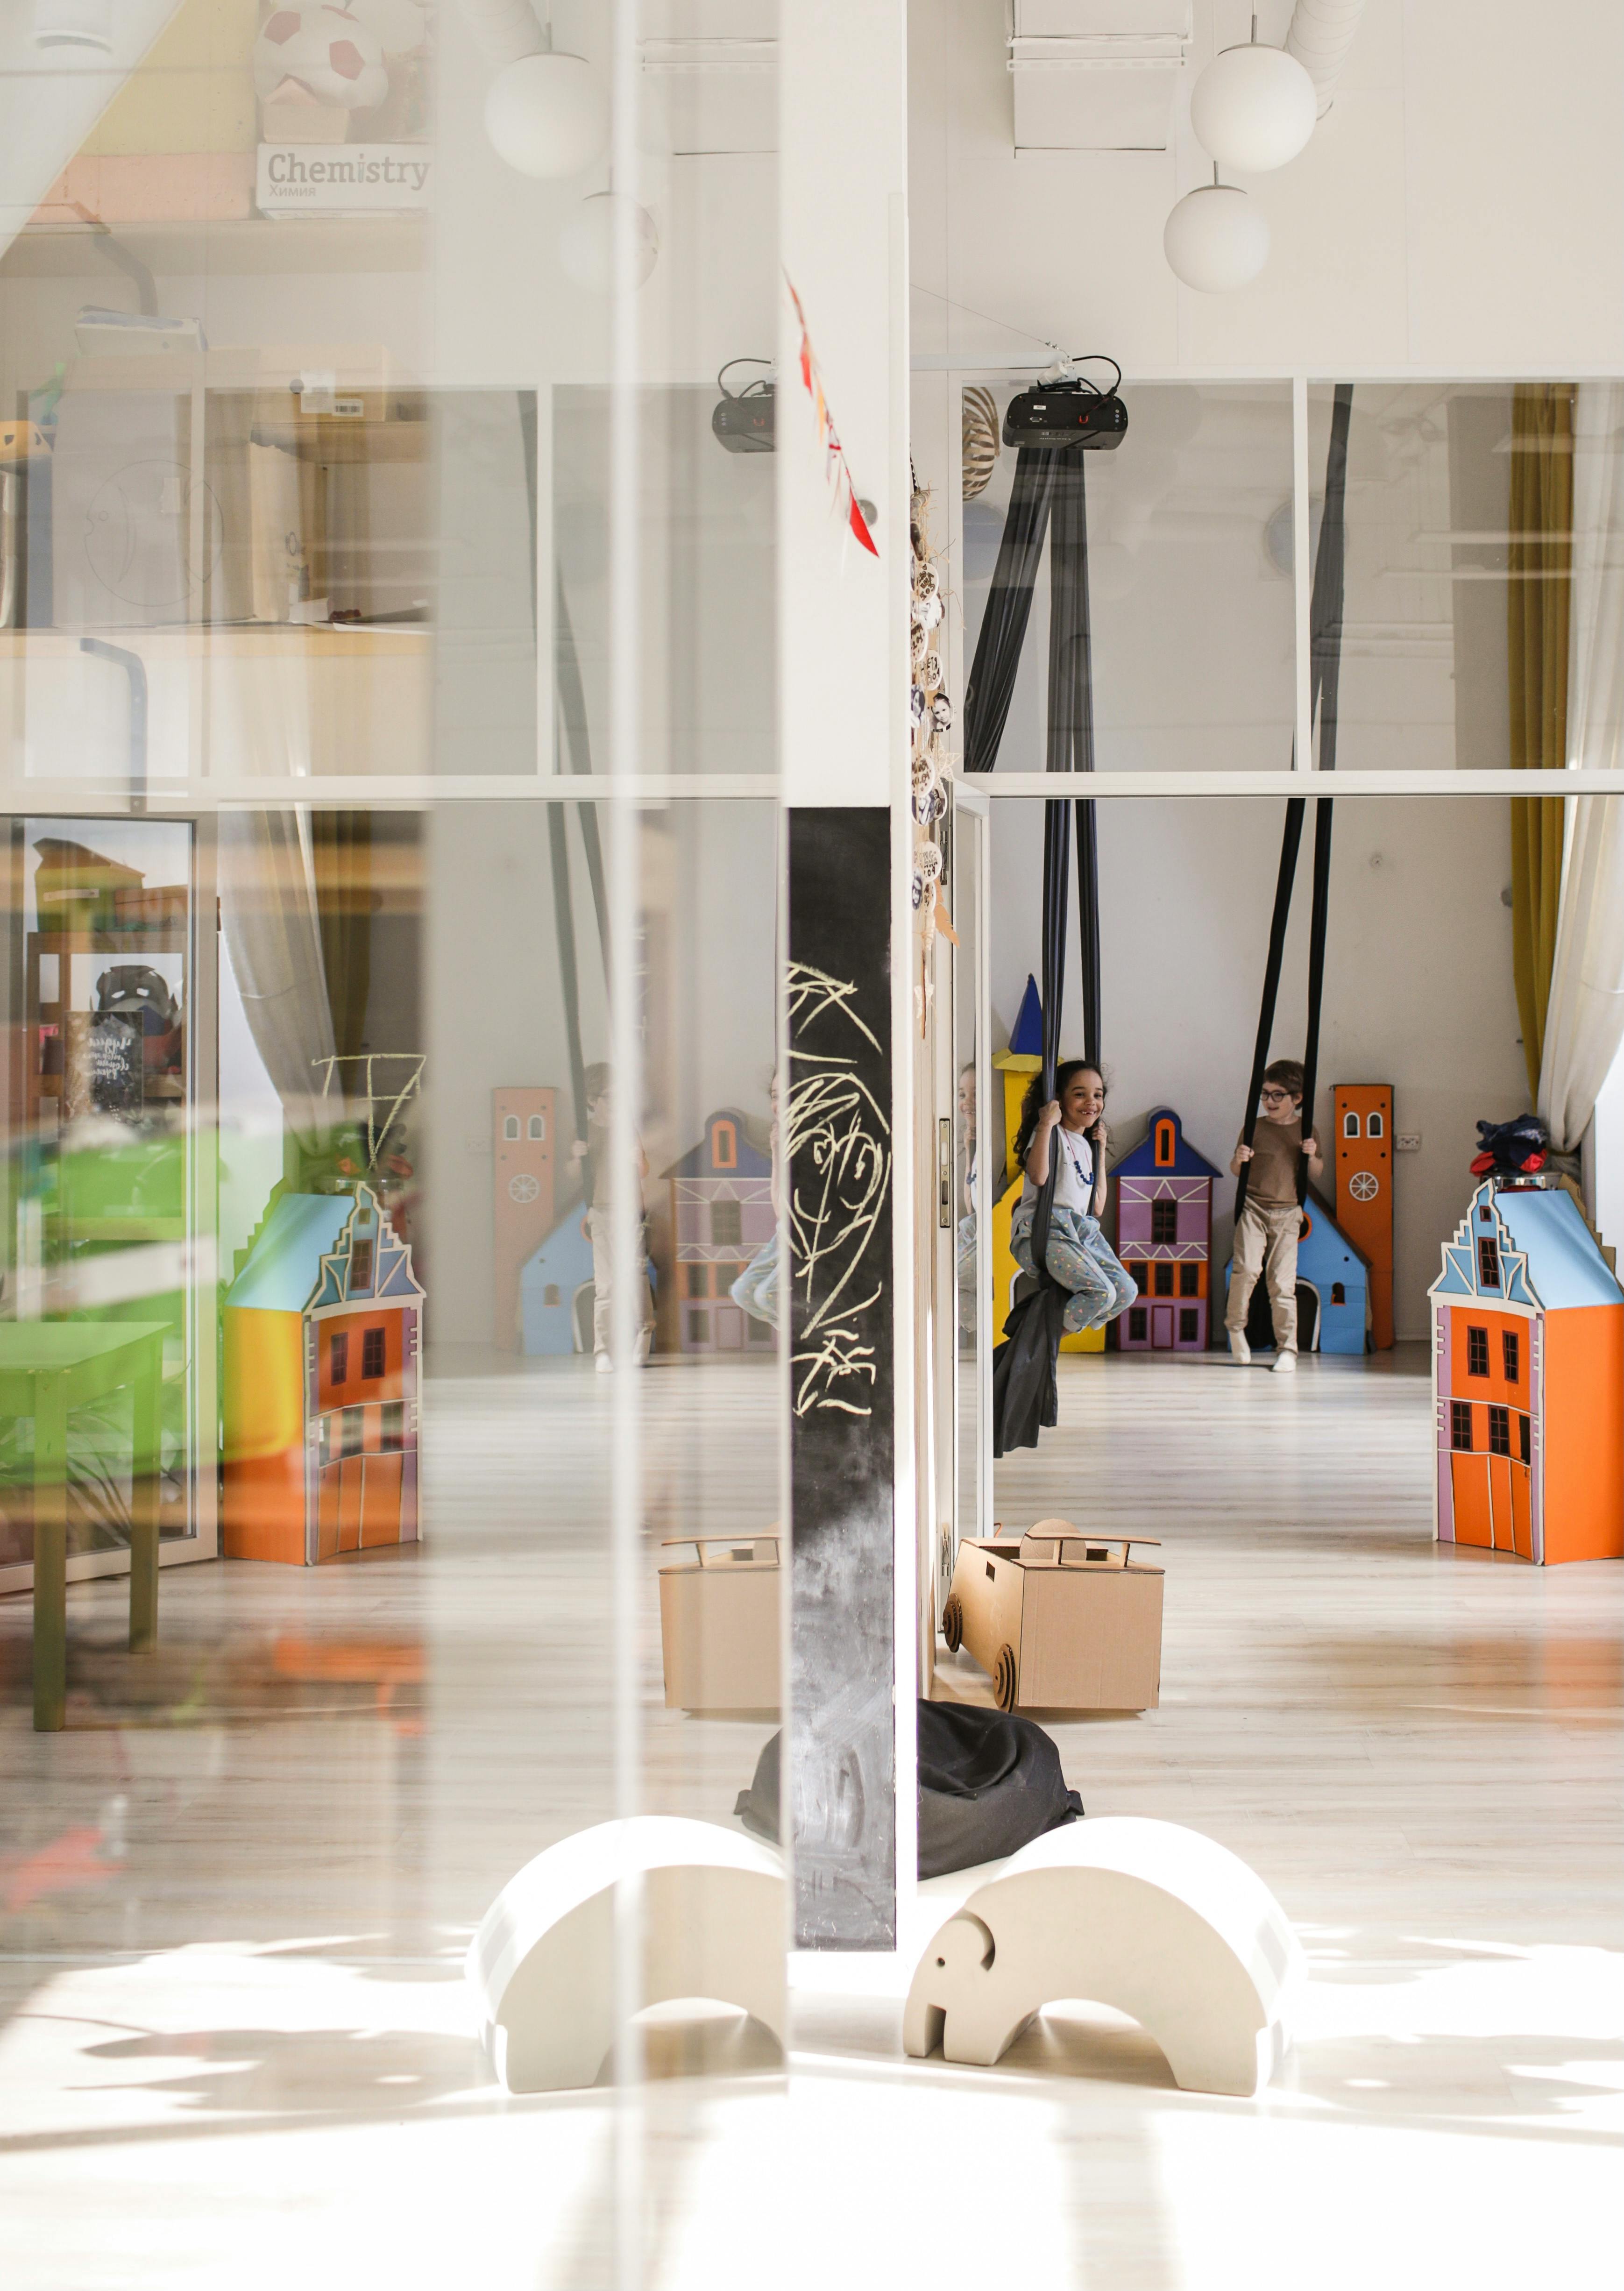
x=1096 y=75
x=710 y=75
x=1321 y=34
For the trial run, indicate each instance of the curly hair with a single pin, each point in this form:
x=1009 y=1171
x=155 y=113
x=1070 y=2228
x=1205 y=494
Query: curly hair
x=1286 y=1073
x=1033 y=1103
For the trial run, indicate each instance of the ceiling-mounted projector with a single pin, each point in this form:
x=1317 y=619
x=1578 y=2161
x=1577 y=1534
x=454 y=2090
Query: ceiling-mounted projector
x=742 y=421
x=1065 y=408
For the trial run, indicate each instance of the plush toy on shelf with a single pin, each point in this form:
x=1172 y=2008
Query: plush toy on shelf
x=1511 y=1149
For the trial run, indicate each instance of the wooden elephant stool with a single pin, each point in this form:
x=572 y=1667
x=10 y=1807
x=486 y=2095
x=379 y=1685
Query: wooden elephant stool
x=1147 y=1916
x=713 y=1919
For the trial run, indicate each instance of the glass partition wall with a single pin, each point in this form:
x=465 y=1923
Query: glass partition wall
x=390 y=552
x=407 y=1111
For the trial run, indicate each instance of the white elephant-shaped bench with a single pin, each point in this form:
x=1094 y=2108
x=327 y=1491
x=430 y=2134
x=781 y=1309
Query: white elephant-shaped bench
x=714 y=1924
x=1147 y=1916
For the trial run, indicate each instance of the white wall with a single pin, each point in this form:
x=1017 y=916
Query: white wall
x=1605 y=1158
x=1418 y=989
x=1460 y=209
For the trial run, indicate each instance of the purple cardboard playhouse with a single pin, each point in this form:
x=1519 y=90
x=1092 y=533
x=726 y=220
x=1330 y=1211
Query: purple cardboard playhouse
x=721 y=1196
x=1164 y=1238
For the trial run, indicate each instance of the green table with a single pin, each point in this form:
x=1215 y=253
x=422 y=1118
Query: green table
x=47 y=1369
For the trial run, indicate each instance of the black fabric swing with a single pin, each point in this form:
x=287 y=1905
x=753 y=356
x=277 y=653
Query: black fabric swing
x=1326 y=664
x=1048 y=499
x=572 y=709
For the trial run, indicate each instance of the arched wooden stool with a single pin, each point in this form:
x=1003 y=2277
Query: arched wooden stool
x=1147 y=1916
x=714 y=1925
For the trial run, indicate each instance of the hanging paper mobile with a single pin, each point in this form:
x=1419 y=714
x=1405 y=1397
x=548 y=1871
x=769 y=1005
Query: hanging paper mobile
x=834 y=461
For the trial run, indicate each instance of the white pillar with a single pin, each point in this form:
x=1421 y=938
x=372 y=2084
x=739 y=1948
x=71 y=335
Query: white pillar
x=843 y=682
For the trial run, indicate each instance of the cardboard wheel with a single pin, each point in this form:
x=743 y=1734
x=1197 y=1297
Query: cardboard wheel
x=1004 y=1680
x=952 y=1622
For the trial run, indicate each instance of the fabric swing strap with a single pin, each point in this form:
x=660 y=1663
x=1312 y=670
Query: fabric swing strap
x=991 y=687
x=1326 y=656
x=1325 y=652
x=573 y=711
x=1070 y=747
x=1046 y=501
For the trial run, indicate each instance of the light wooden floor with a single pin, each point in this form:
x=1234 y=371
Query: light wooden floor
x=235 y=1895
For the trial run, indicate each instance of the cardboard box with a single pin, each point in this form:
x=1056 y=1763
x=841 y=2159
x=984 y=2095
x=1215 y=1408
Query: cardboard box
x=719 y=1626
x=1060 y=1620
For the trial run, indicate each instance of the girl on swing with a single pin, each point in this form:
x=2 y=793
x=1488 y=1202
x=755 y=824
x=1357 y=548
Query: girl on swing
x=1072 y=1126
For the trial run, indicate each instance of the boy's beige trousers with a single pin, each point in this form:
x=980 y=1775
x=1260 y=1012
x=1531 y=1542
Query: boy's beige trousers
x=1265 y=1242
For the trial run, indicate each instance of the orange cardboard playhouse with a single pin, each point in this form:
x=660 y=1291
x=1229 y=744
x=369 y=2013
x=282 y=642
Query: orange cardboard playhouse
x=323 y=1327
x=1528 y=1381
x=1365 y=1147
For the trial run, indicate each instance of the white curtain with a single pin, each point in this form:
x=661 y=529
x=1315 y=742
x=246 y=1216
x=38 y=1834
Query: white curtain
x=1585 y=1021
x=273 y=929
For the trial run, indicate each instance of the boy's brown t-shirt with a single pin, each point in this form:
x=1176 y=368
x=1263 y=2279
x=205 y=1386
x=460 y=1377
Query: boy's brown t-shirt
x=1271 y=1174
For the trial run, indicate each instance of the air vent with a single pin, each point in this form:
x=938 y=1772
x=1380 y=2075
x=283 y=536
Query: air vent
x=1096 y=75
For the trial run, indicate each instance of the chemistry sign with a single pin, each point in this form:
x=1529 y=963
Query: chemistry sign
x=343 y=178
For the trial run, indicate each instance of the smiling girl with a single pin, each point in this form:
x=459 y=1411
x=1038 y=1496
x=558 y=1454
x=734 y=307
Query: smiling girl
x=1071 y=1127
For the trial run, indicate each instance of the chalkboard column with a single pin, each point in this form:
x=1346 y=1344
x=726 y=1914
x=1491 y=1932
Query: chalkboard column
x=841 y=437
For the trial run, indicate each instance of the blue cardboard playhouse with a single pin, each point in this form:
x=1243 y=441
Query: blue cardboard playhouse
x=1333 y=1286
x=555 y=1289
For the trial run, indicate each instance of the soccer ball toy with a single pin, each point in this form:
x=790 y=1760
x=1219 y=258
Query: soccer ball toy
x=400 y=26
x=326 y=51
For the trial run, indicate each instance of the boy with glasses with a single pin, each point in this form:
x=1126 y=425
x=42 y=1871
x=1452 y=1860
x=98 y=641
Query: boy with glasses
x=1266 y=1229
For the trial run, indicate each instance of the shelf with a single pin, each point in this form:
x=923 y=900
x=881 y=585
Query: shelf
x=231 y=640
x=253 y=246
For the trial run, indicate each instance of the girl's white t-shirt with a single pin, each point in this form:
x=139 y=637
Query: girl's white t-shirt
x=1074 y=1179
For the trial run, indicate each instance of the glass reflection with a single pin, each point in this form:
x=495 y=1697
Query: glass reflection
x=1190 y=591
x=101 y=1226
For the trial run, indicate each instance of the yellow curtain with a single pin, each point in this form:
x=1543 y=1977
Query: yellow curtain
x=1539 y=566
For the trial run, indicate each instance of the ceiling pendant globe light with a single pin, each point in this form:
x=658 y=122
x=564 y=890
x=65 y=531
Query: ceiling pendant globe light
x=545 y=114
x=1215 y=239
x=1253 y=107
x=588 y=242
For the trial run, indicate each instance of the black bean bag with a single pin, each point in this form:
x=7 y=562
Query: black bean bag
x=989 y=1783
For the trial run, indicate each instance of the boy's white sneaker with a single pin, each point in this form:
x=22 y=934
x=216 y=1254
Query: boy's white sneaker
x=606 y=1365
x=1239 y=1349
x=1285 y=1363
